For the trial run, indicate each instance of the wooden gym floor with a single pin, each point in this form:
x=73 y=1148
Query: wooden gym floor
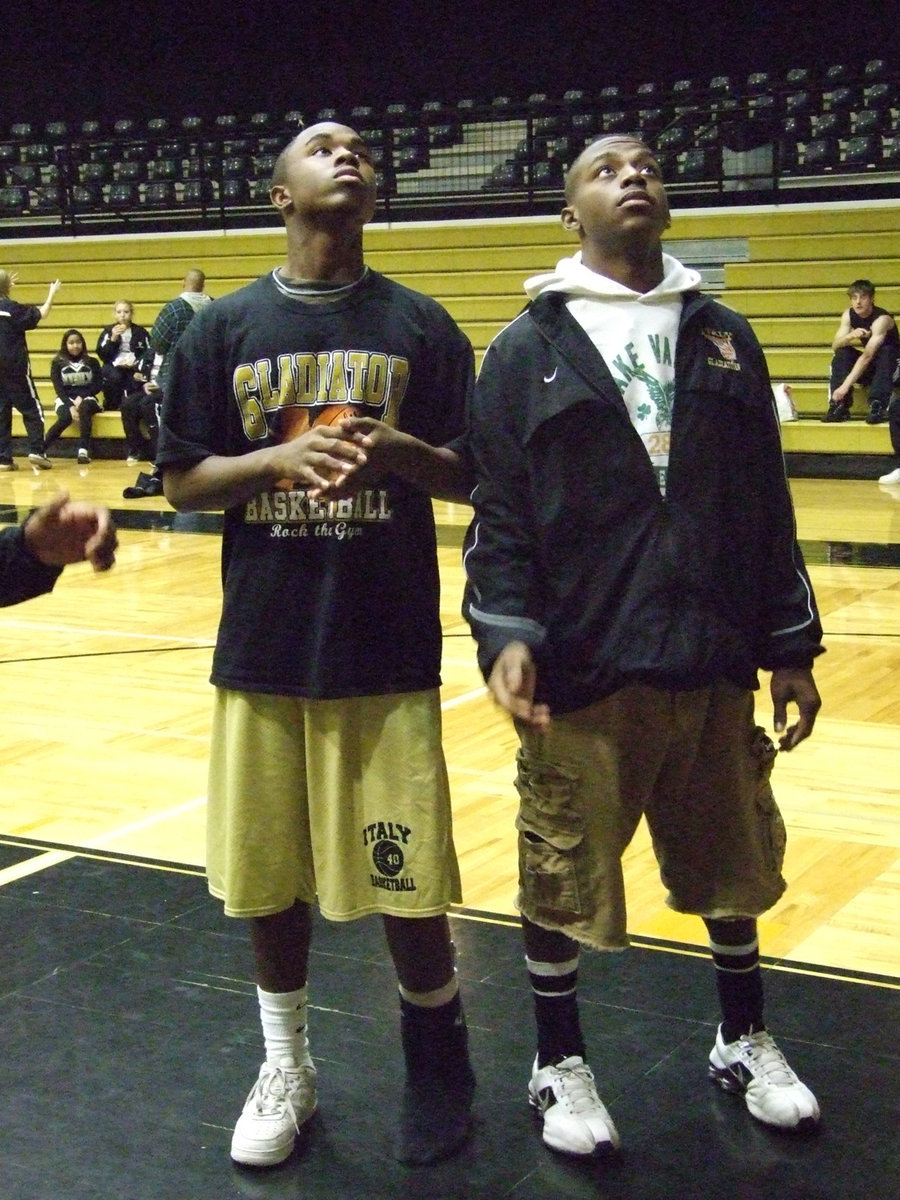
x=127 y=1010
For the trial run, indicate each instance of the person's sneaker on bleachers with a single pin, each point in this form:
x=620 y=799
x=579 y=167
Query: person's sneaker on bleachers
x=837 y=411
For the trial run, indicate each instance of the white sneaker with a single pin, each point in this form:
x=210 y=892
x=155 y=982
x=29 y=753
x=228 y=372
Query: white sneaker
x=575 y=1118
x=282 y=1099
x=132 y=460
x=891 y=477
x=41 y=461
x=83 y=456
x=756 y=1067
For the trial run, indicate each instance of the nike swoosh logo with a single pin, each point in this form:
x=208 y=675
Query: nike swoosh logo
x=550 y=378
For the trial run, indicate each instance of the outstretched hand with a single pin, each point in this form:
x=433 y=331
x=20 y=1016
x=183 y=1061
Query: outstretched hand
x=69 y=531
x=512 y=682
x=794 y=684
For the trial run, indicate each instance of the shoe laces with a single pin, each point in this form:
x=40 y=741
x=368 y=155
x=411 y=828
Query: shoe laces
x=271 y=1095
x=766 y=1060
x=575 y=1088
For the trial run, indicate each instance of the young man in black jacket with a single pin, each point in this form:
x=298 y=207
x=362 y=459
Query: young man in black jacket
x=629 y=571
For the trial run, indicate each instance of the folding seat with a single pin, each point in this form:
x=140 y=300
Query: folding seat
x=24 y=174
x=890 y=151
x=86 y=197
x=362 y=114
x=501 y=103
x=443 y=135
x=821 y=154
x=410 y=135
x=506 y=177
x=263 y=166
x=868 y=121
x=547 y=174
x=94 y=172
x=862 y=149
x=262 y=122
x=875 y=71
x=293 y=121
x=128 y=171
x=122 y=195
x=159 y=193
x=576 y=99
x=699 y=162
x=649 y=94
x=585 y=126
x=549 y=124
x=617 y=121
x=412 y=158
x=193 y=126
x=800 y=103
x=225 y=124
x=125 y=127
x=271 y=145
x=329 y=113
x=759 y=83
x=799 y=78
x=8 y=153
x=91 y=129
x=46 y=199
x=684 y=95
x=22 y=131
x=831 y=124
x=880 y=97
x=234 y=191
x=398 y=114
x=673 y=139
x=36 y=152
x=164 y=168
x=235 y=166
x=198 y=192
x=138 y=152
x=840 y=99
x=157 y=127
x=56 y=131
x=611 y=96
x=13 y=201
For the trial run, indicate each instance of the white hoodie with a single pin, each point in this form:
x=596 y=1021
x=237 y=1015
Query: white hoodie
x=635 y=332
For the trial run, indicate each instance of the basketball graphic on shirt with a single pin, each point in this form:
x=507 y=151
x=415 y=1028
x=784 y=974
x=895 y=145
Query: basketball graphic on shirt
x=292 y=422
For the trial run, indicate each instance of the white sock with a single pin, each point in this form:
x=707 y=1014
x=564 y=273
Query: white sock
x=283 y=1016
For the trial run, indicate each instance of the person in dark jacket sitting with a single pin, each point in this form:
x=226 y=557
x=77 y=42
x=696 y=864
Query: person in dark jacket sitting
x=627 y=576
x=76 y=379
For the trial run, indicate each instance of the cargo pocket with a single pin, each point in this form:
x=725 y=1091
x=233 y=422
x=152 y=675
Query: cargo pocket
x=550 y=831
x=773 y=836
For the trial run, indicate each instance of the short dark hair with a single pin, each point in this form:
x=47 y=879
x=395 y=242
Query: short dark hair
x=861 y=287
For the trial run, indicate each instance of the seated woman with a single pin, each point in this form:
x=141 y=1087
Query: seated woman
x=121 y=346
x=76 y=378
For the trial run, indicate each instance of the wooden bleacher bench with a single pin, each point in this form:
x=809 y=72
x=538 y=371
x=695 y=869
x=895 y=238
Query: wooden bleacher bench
x=785 y=267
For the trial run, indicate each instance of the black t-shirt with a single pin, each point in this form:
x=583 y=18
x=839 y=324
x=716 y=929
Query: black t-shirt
x=323 y=600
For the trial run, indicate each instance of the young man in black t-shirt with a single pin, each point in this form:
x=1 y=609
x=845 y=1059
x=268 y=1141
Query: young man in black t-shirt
x=316 y=407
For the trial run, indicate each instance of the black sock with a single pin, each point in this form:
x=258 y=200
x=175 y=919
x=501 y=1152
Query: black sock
x=735 y=952
x=554 y=988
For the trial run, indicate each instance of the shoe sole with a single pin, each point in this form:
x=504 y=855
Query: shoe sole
x=249 y=1157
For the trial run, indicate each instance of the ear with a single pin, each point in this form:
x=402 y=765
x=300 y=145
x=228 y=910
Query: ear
x=569 y=218
x=280 y=197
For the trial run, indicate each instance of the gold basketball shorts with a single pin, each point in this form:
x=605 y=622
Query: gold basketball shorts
x=341 y=801
x=694 y=763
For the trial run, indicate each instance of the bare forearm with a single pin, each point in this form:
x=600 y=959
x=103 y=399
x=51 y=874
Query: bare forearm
x=218 y=482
